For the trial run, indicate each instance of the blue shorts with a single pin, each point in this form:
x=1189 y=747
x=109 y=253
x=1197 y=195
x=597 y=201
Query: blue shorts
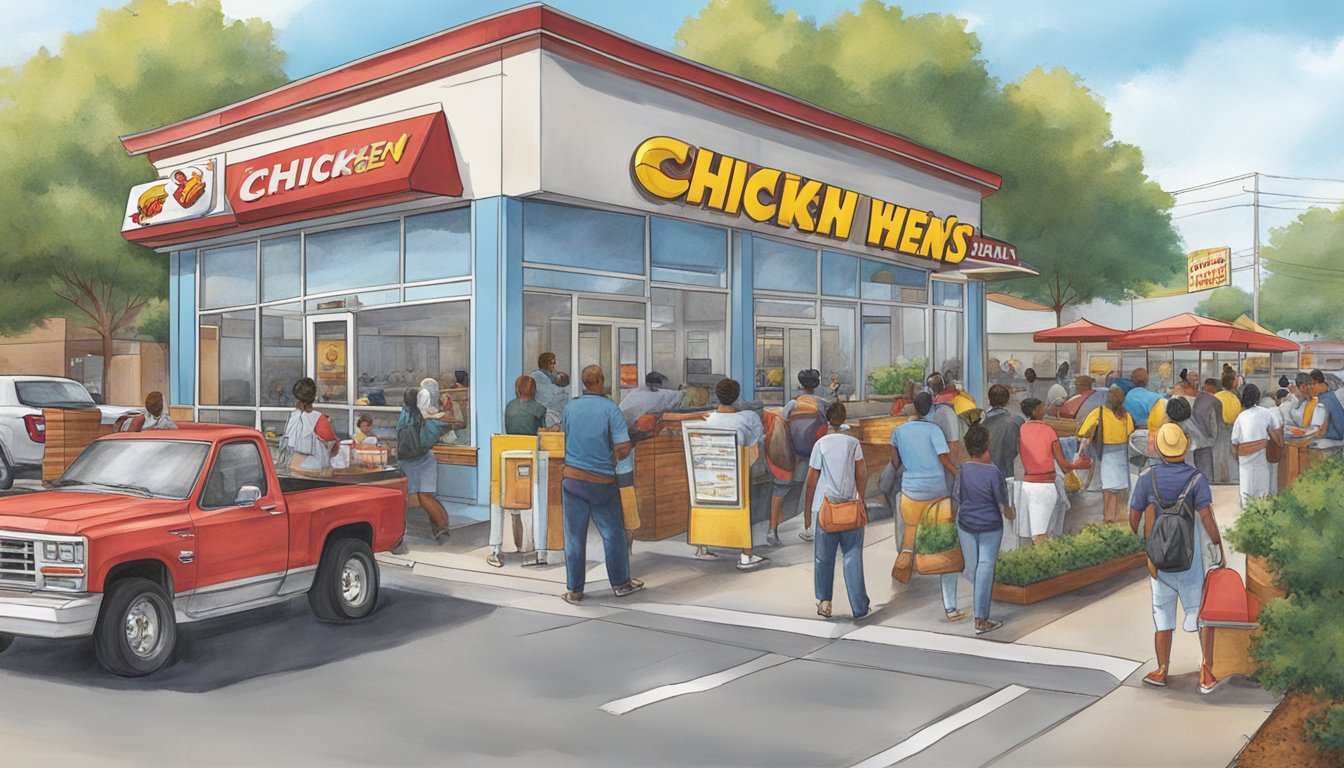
x=422 y=474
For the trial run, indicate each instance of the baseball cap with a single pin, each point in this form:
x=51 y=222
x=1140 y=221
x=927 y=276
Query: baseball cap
x=1171 y=441
x=654 y=377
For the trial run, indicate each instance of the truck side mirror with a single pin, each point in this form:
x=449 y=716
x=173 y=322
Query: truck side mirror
x=248 y=495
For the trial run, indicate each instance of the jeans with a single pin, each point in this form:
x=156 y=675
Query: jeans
x=981 y=552
x=601 y=503
x=851 y=551
x=949 y=582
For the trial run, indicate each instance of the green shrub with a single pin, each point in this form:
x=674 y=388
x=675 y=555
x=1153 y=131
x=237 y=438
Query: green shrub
x=932 y=539
x=890 y=380
x=1301 y=647
x=1091 y=546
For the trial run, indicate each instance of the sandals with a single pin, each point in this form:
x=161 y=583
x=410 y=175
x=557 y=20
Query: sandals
x=750 y=563
x=986 y=625
x=1157 y=678
x=438 y=534
x=573 y=598
x=494 y=560
x=824 y=609
x=629 y=587
x=955 y=615
x=703 y=553
x=1207 y=688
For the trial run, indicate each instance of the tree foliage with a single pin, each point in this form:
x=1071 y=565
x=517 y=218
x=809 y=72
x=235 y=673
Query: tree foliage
x=1226 y=303
x=1075 y=201
x=1305 y=260
x=1300 y=533
x=64 y=175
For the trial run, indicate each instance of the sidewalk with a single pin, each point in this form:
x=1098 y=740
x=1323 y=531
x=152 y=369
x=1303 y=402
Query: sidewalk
x=1133 y=725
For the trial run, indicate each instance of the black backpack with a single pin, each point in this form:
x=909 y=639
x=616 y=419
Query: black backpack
x=409 y=445
x=1171 y=542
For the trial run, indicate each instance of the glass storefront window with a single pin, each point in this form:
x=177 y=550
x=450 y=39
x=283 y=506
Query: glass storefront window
x=546 y=328
x=948 y=334
x=352 y=302
x=583 y=237
x=229 y=276
x=837 y=349
x=891 y=282
x=690 y=340
x=281 y=353
x=892 y=337
x=281 y=276
x=628 y=310
x=947 y=294
x=397 y=347
x=782 y=267
x=438 y=245
x=237 y=418
x=353 y=257
x=800 y=310
x=226 y=347
x=1161 y=374
x=683 y=252
x=839 y=274
x=575 y=281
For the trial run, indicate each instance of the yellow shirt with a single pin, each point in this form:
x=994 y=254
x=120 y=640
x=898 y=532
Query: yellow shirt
x=1158 y=416
x=1231 y=405
x=963 y=403
x=1114 y=429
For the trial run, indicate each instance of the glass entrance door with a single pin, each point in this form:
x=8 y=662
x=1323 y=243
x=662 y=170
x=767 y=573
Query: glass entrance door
x=781 y=352
x=615 y=347
x=330 y=360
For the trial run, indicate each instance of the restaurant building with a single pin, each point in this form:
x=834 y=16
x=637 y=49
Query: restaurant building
x=528 y=183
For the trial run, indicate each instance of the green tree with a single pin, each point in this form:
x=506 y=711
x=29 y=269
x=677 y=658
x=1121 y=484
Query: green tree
x=64 y=175
x=1305 y=260
x=1075 y=201
x=1227 y=303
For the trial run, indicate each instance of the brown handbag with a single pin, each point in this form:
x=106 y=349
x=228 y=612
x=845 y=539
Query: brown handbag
x=840 y=515
x=1273 y=450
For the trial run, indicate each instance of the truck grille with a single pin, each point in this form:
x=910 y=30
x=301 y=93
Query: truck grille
x=17 y=563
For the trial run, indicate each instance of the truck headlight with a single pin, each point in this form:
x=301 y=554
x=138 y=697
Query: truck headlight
x=62 y=565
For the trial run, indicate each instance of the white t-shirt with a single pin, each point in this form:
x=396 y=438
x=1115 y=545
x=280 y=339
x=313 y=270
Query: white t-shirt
x=834 y=457
x=1254 y=424
x=746 y=424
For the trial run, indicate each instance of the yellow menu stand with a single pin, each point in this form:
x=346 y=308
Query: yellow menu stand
x=720 y=488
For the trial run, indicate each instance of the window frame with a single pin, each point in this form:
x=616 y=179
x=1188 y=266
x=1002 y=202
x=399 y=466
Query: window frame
x=214 y=463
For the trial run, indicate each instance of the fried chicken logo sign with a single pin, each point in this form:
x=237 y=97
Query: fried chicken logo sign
x=186 y=194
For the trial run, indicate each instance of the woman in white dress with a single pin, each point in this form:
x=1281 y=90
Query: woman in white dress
x=309 y=436
x=1252 y=432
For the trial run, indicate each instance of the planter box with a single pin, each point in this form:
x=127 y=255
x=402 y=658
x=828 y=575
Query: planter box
x=1044 y=590
x=1260 y=580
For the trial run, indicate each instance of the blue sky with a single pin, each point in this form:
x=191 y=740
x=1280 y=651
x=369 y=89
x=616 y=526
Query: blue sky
x=1208 y=89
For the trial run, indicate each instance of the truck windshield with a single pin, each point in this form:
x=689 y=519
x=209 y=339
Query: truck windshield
x=162 y=468
x=53 y=394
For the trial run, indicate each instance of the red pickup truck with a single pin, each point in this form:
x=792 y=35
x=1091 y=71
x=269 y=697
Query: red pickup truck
x=150 y=529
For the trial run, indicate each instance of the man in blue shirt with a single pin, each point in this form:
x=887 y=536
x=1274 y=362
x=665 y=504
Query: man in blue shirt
x=1166 y=482
x=595 y=439
x=1334 y=422
x=1139 y=400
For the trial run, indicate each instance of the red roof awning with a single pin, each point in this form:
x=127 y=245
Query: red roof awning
x=1192 y=332
x=1079 y=331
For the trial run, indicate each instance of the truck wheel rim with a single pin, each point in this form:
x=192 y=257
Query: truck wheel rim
x=354 y=582
x=142 y=628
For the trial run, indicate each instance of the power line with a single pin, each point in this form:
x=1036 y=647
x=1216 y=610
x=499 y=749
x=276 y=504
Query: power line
x=1212 y=199
x=1220 y=182
x=1300 y=178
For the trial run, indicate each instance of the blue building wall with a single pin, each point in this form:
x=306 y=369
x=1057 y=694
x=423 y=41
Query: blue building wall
x=182 y=328
x=974 y=378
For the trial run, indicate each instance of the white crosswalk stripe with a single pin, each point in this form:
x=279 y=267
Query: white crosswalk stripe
x=933 y=733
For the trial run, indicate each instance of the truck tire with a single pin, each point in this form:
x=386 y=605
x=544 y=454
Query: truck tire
x=6 y=473
x=6 y=640
x=136 y=630
x=346 y=585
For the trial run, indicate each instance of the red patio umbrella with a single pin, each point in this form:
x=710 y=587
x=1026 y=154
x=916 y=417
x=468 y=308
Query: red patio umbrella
x=1188 y=331
x=1078 y=332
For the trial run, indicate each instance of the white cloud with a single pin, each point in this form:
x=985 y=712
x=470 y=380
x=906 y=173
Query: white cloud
x=1243 y=102
x=20 y=48
x=278 y=12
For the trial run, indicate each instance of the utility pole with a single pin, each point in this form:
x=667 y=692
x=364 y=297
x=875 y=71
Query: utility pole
x=1255 y=250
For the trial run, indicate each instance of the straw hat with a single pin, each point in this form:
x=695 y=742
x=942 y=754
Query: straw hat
x=1171 y=441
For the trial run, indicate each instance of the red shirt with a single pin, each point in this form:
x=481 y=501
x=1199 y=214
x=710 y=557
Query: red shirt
x=1037 y=442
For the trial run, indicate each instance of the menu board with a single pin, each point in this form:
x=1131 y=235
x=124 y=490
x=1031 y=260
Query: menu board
x=712 y=467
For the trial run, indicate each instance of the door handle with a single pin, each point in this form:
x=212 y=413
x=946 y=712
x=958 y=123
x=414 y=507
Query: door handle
x=270 y=508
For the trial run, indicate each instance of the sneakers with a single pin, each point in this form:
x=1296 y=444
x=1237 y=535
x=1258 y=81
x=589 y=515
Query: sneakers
x=986 y=625
x=955 y=614
x=750 y=562
x=573 y=598
x=824 y=609
x=805 y=534
x=772 y=538
x=630 y=587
